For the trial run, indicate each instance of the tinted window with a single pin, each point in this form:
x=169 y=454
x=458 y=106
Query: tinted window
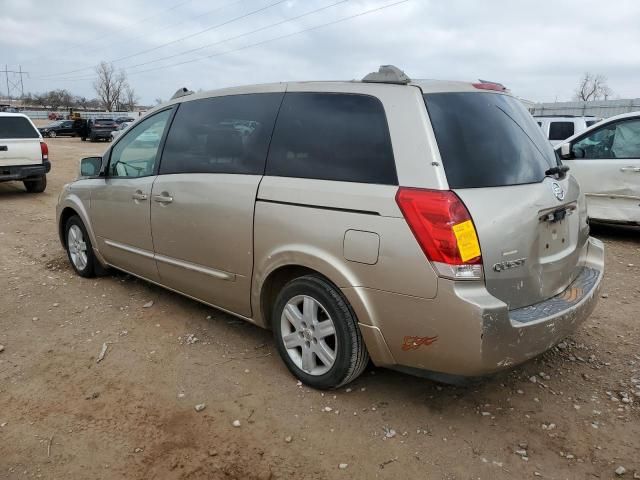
x=221 y=135
x=617 y=140
x=136 y=152
x=591 y=122
x=331 y=136
x=16 y=127
x=487 y=140
x=560 y=130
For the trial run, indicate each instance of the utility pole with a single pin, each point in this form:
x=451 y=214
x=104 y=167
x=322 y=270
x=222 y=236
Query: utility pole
x=21 y=83
x=14 y=81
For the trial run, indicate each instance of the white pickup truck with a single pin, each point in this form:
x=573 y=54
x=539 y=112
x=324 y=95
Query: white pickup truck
x=23 y=155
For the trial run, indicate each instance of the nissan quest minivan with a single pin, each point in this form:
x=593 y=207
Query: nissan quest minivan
x=425 y=225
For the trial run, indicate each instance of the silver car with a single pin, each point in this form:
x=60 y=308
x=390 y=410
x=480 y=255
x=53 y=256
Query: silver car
x=606 y=161
x=425 y=225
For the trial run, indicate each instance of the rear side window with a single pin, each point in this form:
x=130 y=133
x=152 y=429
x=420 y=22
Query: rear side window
x=591 y=122
x=560 y=130
x=488 y=140
x=332 y=136
x=221 y=135
x=17 y=127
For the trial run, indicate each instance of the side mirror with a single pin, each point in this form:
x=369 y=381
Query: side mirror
x=565 y=151
x=90 y=166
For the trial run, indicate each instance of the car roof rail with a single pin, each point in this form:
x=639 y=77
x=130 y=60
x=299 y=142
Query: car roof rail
x=181 y=92
x=387 y=74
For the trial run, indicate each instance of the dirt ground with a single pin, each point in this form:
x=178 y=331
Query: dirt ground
x=62 y=415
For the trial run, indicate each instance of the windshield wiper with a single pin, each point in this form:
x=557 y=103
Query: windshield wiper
x=559 y=170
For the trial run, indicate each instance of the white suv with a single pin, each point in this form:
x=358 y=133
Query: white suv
x=23 y=155
x=558 y=129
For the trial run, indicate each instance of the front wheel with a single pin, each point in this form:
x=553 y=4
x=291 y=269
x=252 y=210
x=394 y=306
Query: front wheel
x=317 y=334
x=79 y=249
x=36 y=185
x=52 y=134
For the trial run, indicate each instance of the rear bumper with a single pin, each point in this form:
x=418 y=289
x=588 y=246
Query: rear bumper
x=101 y=134
x=23 y=172
x=465 y=331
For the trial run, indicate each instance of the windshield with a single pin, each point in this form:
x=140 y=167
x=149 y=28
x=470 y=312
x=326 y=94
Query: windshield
x=55 y=124
x=488 y=140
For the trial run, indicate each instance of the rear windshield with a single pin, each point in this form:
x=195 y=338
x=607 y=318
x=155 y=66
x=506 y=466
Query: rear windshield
x=488 y=140
x=17 y=127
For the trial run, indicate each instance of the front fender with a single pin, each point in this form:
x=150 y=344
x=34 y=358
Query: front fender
x=77 y=198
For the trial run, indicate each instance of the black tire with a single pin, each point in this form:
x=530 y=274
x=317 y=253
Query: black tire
x=36 y=185
x=84 y=139
x=351 y=356
x=89 y=271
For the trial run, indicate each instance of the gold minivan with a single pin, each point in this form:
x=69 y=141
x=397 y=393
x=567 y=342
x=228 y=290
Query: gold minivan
x=425 y=225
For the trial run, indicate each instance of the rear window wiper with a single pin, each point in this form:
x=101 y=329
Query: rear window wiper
x=559 y=170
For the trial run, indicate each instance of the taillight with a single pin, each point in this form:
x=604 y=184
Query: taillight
x=444 y=230
x=498 y=87
x=44 y=149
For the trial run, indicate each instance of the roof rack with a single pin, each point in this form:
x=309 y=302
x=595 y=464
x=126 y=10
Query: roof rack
x=181 y=92
x=387 y=74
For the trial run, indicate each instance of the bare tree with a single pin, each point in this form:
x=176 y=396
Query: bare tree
x=593 y=87
x=109 y=85
x=130 y=99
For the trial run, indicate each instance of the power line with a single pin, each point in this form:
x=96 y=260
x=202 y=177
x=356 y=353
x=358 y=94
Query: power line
x=157 y=47
x=317 y=27
x=266 y=27
x=102 y=37
x=245 y=47
x=173 y=25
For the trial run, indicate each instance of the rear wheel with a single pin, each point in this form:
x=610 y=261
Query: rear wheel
x=317 y=334
x=36 y=185
x=79 y=249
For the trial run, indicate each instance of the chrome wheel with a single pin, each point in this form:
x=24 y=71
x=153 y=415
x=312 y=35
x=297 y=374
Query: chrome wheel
x=77 y=247
x=52 y=134
x=309 y=335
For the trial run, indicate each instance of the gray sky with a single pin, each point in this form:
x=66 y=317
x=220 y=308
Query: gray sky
x=538 y=49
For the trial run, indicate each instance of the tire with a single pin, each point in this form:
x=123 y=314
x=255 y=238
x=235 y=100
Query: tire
x=77 y=243
x=92 y=138
x=339 y=342
x=36 y=185
x=52 y=134
x=84 y=139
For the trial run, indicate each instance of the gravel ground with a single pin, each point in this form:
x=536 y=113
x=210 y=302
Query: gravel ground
x=573 y=413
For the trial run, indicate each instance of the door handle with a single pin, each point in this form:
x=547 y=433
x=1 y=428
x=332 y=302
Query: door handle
x=138 y=195
x=630 y=169
x=164 y=197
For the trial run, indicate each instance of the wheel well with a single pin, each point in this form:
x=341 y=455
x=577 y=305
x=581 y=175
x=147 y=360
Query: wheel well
x=67 y=213
x=275 y=282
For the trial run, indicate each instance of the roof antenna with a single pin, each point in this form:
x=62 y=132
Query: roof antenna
x=181 y=92
x=387 y=74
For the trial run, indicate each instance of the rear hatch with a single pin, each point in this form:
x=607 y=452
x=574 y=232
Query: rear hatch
x=19 y=142
x=104 y=126
x=530 y=228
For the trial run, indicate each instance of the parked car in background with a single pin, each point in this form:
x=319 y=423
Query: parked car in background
x=23 y=155
x=121 y=120
x=558 y=129
x=423 y=224
x=122 y=126
x=101 y=128
x=59 y=128
x=605 y=159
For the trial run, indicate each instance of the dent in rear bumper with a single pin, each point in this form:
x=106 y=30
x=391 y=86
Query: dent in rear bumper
x=474 y=333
